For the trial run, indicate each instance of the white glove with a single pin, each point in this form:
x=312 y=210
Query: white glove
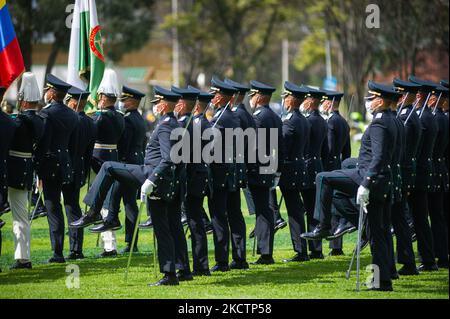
x=362 y=197
x=146 y=189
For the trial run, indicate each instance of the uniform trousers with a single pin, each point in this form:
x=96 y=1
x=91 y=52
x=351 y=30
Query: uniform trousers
x=418 y=204
x=296 y=215
x=18 y=200
x=264 y=230
x=439 y=227
x=228 y=224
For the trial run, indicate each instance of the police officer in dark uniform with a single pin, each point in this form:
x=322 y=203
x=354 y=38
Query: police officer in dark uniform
x=131 y=148
x=195 y=175
x=296 y=130
x=371 y=181
x=316 y=149
x=404 y=165
x=445 y=102
x=6 y=132
x=436 y=196
x=55 y=165
x=261 y=176
x=226 y=218
x=339 y=149
x=418 y=200
x=76 y=100
x=246 y=121
x=159 y=187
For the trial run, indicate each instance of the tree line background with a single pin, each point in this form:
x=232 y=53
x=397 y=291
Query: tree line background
x=242 y=38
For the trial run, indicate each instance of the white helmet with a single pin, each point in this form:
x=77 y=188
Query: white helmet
x=29 y=89
x=109 y=85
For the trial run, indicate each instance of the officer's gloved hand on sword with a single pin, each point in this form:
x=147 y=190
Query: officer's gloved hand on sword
x=146 y=189
x=362 y=197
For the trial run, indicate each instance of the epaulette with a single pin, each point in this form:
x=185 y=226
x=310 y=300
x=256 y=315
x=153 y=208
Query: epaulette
x=257 y=112
x=404 y=111
x=167 y=119
x=288 y=117
x=182 y=118
x=127 y=114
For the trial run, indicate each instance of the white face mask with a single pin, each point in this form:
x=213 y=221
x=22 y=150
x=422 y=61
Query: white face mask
x=121 y=106
x=46 y=99
x=368 y=107
x=252 y=104
x=155 y=111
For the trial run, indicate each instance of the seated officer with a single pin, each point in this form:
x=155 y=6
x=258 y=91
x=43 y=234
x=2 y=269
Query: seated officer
x=131 y=148
x=157 y=179
x=339 y=149
x=371 y=181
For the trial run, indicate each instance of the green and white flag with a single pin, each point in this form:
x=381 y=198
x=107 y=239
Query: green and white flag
x=86 y=60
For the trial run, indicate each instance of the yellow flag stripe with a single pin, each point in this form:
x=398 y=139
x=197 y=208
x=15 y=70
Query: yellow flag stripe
x=2 y=3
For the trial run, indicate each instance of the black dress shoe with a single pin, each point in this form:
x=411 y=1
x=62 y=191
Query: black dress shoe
x=264 y=260
x=280 y=224
x=201 y=273
x=56 y=260
x=5 y=209
x=220 y=267
x=108 y=225
x=167 y=280
x=19 y=265
x=184 y=276
x=316 y=255
x=41 y=211
x=395 y=275
x=320 y=232
x=2 y=223
x=441 y=263
x=408 y=270
x=147 y=224
x=384 y=286
x=252 y=234
x=108 y=254
x=127 y=249
x=342 y=230
x=336 y=252
x=75 y=256
x=297 y=258
x=428 y=267
x=242 y=265
x=89 y=219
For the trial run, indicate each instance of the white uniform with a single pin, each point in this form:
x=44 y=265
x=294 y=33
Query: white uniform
x=21 y=224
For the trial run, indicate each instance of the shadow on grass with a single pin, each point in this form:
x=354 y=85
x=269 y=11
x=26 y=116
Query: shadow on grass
x=89 y=267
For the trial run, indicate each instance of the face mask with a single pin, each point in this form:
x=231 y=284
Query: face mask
x=252 y=104
x=46 y=99
x=121 y=106
x=368 y=107
x=155 y=111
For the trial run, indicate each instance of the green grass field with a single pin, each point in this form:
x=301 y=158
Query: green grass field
x=104 y=278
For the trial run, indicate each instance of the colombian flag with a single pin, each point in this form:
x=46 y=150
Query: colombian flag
x=11 y=60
